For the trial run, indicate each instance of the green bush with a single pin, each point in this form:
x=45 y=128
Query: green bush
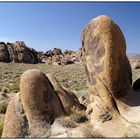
x=3 y=107
x=14 y=87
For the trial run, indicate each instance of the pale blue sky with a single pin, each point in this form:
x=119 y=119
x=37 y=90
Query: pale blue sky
x=46 y=25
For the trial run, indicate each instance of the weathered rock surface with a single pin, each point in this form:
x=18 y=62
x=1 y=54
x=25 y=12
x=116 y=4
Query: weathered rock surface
x=41 y=100
x=57 y=51
x=39 y=106
x=68 y=99
x=109 y=77
x=18 y=52
x=15 y=123
x=4 y=54
x=135 y=62
x=56 y=57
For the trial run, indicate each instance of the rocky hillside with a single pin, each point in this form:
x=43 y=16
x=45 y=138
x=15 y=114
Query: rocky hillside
x=57 y=57
x=17 y=52
x=20 y=53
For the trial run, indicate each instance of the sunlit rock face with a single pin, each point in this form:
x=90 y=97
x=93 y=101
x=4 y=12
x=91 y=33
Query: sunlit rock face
x=109 y=74
x=104 y=54
x=32 y=112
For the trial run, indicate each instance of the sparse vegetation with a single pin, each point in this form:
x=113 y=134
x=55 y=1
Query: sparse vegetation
x=14 y=87
x=1 y=128
x=3 y=107
x=71 y=76
x=80 y=93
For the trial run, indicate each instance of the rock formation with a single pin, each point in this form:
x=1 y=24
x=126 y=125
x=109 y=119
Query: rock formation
x=18 y=52
x=109 y=77
x=68 y=99
x=56 y=57
x=32 y=111
x=4 y=54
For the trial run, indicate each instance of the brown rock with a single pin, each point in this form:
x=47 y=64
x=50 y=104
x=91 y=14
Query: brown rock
x=68 y=99
x=4 y=54
x=18 y=52
x=12 y=53
x=67 y=61
x=15 y=124
x=49 y=53
x=68 y=52
x=100 y=56
x=104 y=51
x=112 y=102
x=40 y=106
x=83 y=100
x=57 y=51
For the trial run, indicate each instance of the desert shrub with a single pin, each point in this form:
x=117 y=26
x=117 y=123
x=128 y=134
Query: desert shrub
x=5 y=90
x=14 y=87
x=78 y=87
x=3 y=107
x=1 y=128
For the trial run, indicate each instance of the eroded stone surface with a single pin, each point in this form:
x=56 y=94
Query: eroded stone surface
x=40 y=106
x=109 y=74
x=68 y=99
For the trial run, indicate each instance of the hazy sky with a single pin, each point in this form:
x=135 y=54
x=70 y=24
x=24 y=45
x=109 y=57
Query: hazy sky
x=46 y=25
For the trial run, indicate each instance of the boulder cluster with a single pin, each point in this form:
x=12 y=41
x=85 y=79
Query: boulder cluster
x=18 y=52
x=57 y=57
x=113 y=105
x=135 y=61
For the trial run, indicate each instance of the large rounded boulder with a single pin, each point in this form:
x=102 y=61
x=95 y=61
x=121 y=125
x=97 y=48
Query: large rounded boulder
x=112 y=100
x=31 y=113
x=104 y=51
